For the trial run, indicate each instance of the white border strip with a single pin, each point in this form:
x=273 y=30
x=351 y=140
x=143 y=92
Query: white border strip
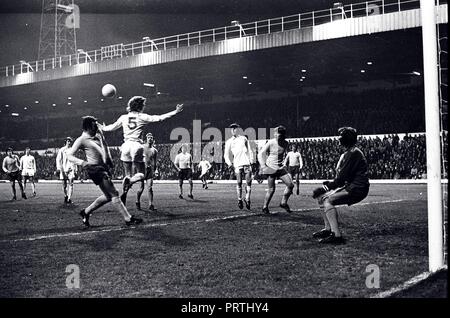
x=408 y=284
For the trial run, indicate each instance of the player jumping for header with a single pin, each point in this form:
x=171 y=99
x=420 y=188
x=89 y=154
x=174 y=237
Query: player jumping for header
x=132 y=150
x=28 y=168
x=150 y=154
x=11 y=166
x=271 y=158
x=238 y=155
x=98 y=163
x=350 y=186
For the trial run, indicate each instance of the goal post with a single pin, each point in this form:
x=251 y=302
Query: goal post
x=433 y=144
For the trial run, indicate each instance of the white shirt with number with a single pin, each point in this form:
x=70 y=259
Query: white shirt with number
x=133 y=124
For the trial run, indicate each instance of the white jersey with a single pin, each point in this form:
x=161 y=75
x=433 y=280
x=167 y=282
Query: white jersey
x=183 y=160
x=294 y=158
x=133 y=124
x=204 y=166
x=238 y=152
x=62 y=160
x=27 y=162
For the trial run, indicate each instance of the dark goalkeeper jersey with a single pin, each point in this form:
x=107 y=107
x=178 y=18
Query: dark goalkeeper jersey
x=351 y=171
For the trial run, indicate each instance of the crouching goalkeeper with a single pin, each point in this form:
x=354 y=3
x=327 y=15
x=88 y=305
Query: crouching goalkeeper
x=350 y=186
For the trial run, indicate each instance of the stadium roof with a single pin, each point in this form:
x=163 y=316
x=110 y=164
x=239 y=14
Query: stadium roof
x=386 y=56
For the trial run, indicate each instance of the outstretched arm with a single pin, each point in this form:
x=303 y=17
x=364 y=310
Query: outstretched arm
x=156 y=118
x=113 y=126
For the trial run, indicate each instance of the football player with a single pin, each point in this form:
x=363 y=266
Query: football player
x=67 y=170
x=350 y=186
x=98 y=164
x=11 y=166
x=132 y=150
x=294 y=164
x=150 y=156
x=28 y=168
x=271 y=158
x=183 y=163
x=238 y=155
x=204 y=167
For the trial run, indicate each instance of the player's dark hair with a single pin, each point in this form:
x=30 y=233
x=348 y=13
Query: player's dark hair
x=281 y=130
x=348 y=136
x=9 y=149
x=87 y=122
x=136 y=104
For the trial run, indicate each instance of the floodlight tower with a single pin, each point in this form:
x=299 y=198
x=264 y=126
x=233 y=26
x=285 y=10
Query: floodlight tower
x=59 y=21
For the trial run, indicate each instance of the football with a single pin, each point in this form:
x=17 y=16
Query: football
x=108 y=90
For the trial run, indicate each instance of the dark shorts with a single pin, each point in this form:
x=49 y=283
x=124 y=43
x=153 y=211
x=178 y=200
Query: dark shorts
x=149 y=173
x=15 y=176
x=277 y=174
x=348 y=197
x=294 y=170
x=185 y=174
x=98 y=173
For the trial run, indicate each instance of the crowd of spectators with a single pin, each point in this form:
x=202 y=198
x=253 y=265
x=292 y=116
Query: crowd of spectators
x=389 y=157
x=375 y=111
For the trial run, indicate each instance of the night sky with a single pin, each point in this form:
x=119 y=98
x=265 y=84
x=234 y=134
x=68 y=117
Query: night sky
x=110 y=22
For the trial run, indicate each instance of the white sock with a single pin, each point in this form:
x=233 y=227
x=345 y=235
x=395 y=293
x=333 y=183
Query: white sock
x=239 y=192
x=249 y=191
x=69 y=192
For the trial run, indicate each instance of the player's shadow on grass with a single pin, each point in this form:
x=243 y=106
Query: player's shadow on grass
x=67 y=207
x=135 y=236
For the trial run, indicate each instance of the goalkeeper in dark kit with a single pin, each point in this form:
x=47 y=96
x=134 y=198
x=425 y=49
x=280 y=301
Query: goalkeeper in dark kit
x=350 y=186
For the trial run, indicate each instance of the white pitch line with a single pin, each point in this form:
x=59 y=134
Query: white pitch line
x=408 y=284
x=216 y=219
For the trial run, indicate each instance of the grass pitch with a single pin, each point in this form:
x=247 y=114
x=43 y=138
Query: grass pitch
x=207 y=247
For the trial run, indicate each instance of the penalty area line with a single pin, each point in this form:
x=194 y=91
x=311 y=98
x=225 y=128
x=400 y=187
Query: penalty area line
x=149 y=225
